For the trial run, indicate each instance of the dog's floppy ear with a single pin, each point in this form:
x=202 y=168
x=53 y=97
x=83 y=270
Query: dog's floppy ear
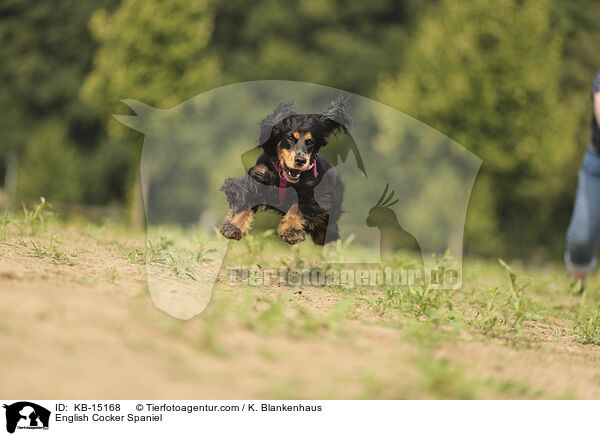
x=337 y=116
x=282 y=111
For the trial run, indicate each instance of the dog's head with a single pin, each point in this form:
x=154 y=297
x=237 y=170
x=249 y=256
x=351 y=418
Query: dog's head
x=292 y=140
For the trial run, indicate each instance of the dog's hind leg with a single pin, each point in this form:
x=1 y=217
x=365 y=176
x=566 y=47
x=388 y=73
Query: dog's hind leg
x=291 y=226
x=236 y=225
x=318 y=237
x=325 y=234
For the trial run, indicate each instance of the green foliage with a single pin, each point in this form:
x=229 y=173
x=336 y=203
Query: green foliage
x=51 y=165
x=33 y=219
x=578 y=21
x=51 y=251
x=500 y=311
x=508 y=80
x=46 y=53
x=4 y=220
x=519 y=307
x=488 y=75
x=255 y=242
x=136 y=256
x=152 y=51
x=434 y=349
x=156 y=52
x=279 y=315
x=170 y=255
x=341 y=44
x=587 y=327
x=420 y=300
x=487 y=318
x=340 y=246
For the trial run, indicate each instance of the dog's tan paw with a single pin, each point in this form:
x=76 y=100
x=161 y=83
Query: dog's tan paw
x=231 y=231
x=293 y=236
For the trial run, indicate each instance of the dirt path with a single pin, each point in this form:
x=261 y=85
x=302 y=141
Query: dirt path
x=85 y=328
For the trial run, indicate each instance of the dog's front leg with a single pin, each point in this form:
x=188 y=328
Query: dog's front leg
x=236 y=225
x=290 y=227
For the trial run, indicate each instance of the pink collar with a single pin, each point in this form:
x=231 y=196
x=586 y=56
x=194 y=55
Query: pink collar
x=283 y=181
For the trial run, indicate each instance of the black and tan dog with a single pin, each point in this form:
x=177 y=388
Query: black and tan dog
x=291 y=177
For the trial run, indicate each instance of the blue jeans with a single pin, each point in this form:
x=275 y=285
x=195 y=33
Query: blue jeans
x=583 y=235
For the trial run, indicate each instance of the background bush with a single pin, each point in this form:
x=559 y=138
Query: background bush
x=507 y=79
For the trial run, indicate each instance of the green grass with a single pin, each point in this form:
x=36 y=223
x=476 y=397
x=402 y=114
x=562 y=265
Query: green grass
x=500 y=302
x=587 y=327
x=51 y=251
x=29 y=221
x=280 y=315
x=507 y=307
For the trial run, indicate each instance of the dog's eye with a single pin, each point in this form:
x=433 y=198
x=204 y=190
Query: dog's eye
x=308 y=142
x=290 y=138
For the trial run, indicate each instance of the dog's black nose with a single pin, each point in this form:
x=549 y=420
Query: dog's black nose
x=300 y=160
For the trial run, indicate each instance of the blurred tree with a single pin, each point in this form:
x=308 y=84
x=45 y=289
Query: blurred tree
x=163 y=53
x=45 y=52
x=347 y=45
x=508 y=79
x=487 y=74
x=153 y=51
x=579 y=62
x=581 y=57
x=51 y=159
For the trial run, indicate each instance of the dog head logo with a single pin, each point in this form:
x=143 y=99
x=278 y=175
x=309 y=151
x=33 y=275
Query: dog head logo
x=321 y=162
x=26 y=415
